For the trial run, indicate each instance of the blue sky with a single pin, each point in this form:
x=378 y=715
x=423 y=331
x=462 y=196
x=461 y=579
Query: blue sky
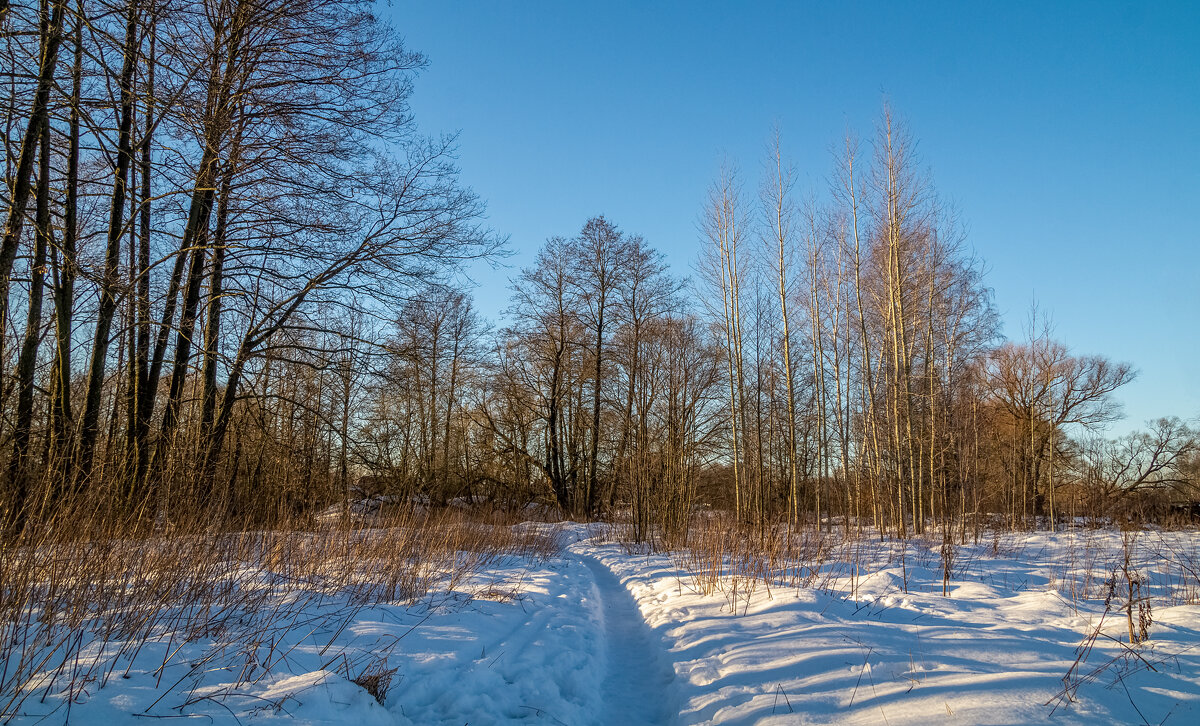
x=1067 y=134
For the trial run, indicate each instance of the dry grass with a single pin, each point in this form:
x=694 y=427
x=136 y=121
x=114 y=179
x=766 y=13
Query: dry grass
x=83 y=599
x=735 y=559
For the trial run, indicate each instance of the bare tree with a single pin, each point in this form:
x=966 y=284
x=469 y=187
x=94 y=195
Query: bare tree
x=601 y=257
x=1043 y=389
x=1154 y=459
x=722 y=226
x=548 y=330
x=50 y=35
x=779 y=215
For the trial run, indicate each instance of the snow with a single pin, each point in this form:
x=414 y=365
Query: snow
x=597 y=635
x=637 y=687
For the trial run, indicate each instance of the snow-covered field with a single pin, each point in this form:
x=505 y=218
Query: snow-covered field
x=599 y=635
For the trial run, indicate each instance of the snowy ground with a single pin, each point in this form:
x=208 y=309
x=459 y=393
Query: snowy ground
x=597 y=635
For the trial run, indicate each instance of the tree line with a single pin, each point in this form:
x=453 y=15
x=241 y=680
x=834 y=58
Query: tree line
x=228 y=285
x=837 y=357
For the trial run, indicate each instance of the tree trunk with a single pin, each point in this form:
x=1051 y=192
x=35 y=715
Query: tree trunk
x=593 y=490
x=144 y=393
x=61 y=427
x=212 y=330
x=112 y=256
x=51 y=39
x=19 y=473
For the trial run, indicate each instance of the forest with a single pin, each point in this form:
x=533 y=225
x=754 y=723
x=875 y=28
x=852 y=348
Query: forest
x=232 y=287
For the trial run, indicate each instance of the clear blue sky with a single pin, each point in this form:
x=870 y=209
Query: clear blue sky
x=1067 y=135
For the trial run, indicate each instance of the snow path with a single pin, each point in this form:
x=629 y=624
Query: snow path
x=637 y=685
x=597 y=636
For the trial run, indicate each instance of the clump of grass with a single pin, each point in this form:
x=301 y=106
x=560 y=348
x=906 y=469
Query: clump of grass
x=376 y=679
x=736 y=559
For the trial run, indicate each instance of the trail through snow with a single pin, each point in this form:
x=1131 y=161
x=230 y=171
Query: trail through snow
x=596 y=636
x=637 y=683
